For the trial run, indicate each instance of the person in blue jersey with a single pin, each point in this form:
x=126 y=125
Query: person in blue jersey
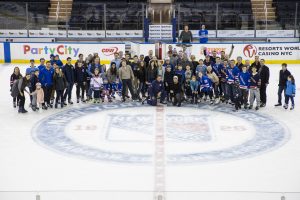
x=203 y=34
x=244 y=80
x=232 y=75
x=290 y=92
x=58 y=61
x=42 y=64
x=201 y=68
x=46 y=79
x=205 y=87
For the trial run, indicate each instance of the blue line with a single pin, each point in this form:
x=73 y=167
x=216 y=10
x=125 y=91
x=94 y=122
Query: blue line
x=7 y=57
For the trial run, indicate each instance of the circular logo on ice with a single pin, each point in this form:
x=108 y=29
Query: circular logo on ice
x=125 y=133
x=250 y=50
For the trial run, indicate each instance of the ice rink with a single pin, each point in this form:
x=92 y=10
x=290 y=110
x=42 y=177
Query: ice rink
x=107 y=151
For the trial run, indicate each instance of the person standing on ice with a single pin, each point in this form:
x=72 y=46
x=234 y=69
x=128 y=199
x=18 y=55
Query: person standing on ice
x=69 y=72
x=203 y=34
x=186 y=35
x=283 y=76
x=16 y=75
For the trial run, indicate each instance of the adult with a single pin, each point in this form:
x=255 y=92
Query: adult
x=22 y=84
x=256 y=64
x=157 y=90
x=116 y=60
x=148 y=58
x=69 y=72
x=186 y=35
x=46 y=79
x=264 y=73
x=203 y=34
x=176 y=92
x=126 y=75
x=283 y=75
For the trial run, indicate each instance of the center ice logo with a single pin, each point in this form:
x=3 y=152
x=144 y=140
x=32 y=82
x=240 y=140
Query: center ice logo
x=193 y=134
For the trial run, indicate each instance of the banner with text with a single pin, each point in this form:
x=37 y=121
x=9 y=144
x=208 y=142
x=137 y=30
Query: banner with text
x=23 y=52
x=272 y=52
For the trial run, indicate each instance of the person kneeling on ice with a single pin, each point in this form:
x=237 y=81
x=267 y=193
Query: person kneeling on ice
x=290 y=92
x=156 y=91
x=176 y=92
x=37 y=97
x=205 y=87
x=97 y=85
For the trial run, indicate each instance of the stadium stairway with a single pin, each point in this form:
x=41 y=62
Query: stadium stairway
x=263 y=11
x=60 y=10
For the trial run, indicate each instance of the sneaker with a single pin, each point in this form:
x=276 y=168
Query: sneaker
x=77 y=100
x=245 y=107
x=285 y=106
x=55 y=105
x=279 y=104
x=250 y=107
x=211 y=102
x=83 y=101
x=262 y=105
x=65 y=103
x=256 y=108
x=15 y=105
x=109 y=100
x=292 y=108
x=95 y=101
x=33 y=108
x=70 y=102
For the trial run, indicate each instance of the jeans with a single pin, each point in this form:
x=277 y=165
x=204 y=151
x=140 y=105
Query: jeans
x=287 y=98
x=280 y=90
x=68 y=91
x=80 y=86
x=59 y=96
x=47 y=94
x=127 y=83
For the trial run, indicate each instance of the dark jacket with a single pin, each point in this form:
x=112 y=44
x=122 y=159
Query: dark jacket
x=283 y=75
x=264 y=74
x=141 y=74
x=257 y=65
x=34 y=80
x=151 y=74
x=168 y=78
x=14 y=77
x=68 y=71
x=59 y=82
x=176 y=88
x=80 y=74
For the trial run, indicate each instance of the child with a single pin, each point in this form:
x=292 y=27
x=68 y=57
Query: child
x=33 y=81
x=188 y=77
x=180 y=74
x=194 y=89
x=38 y=99
x=205 y=87
x=59 y=85
x=97 y=85
x=244 y=78
x=80 y=79
x=215 y=82
x=16 y=75
x=290 y=92
x=201 y=68
x=106 y=90
x=254 y=88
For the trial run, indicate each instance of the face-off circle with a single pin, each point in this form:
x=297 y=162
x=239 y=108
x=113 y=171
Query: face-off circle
x=124 y=133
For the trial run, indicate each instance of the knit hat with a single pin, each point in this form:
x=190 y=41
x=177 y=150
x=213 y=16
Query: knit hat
x=28 y=71
x=51 y=55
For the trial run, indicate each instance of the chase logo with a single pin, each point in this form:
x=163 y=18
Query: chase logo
x=124 y=133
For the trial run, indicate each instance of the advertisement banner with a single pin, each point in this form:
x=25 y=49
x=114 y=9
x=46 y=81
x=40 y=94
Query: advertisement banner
x=275 y=33
x=86 y=34
x=1 y=53
x=23 y=52
x=236 y=33
x=273 y=53
x=160 y=32
x=13 y=33
x=124 y=34
x=48 y=33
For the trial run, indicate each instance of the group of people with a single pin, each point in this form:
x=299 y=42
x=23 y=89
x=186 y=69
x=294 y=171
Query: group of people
x=179 y=78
